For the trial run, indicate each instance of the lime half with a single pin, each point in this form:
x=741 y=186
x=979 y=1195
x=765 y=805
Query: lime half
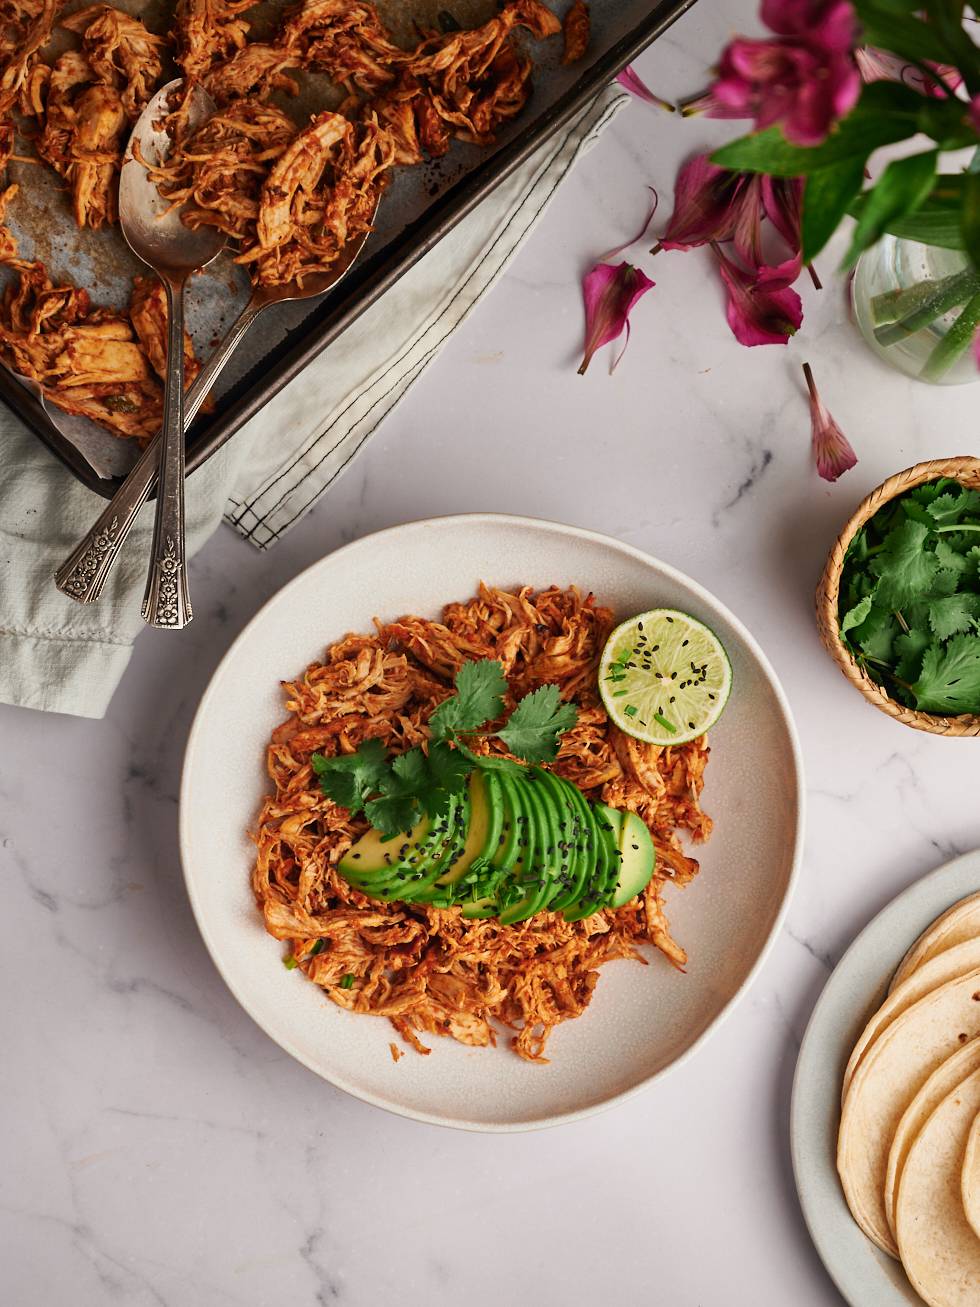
x=664 y=677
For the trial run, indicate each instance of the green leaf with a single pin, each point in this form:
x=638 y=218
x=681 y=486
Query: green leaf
x=887 y=112
x=908 y=649
x=901 y=189
x=948 y=509
x=953 y=615
x=876 y=635
x=350 y=778
x=480 y=687
x=904 y=568
x=970 y=218
x=392 y=814
x=826 y=198
x=902 y=33
x=447 y=773
x=973 y=558
x=951 y=559
x=534 y=727
x=950 y=677
x=856 y=615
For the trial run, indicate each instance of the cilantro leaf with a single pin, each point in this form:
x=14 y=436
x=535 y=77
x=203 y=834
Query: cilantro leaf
x=951 y=559
x=905 y=569
x=909 y=648
x=480 y=688
x=856 y=615
x=954 y=614
x=950 y=507
x=393 y=814
x=447 y=772
x=349 y=778
x=533 y=729
x=950 y=677
x=876 y=633
x=973 y=558
x=945 y=582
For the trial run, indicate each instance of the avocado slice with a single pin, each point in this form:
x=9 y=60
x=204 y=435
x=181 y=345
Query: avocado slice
x=563 y=830
x=605 y=864
x=485 y=824
x=421 y=886
x=639 y=857
x=532 y=872
x=503 y=858
x=580 y=837
x=410 y=858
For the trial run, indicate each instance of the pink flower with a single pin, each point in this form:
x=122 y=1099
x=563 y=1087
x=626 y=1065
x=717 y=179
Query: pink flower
x=610 y=294
x=828 y=23
x=782 y=199
x=795 y=82
x=877 y=65
x=631 y=81
x=831 y=448
x=713 y=204
x=762 y=308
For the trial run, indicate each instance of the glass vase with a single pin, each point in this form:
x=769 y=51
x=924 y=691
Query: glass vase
x=918 y=307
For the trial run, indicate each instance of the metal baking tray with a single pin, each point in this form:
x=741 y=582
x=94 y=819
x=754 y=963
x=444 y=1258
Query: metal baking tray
x=417 y=210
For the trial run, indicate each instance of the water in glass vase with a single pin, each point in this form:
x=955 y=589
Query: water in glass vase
x=918 y=307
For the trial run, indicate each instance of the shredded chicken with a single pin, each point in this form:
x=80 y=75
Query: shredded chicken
x=345 y=40
x=431 y=971
x=25 y=26
x=208 y=33
x=87 y=102
x=576 y=31
x=148 y=314
x=255 y=72
x=290 y=201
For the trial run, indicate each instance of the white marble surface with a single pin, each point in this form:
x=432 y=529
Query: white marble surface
x=159 y=1149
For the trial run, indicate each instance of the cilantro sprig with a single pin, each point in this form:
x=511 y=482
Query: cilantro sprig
x=394 y=792
x=910 y=598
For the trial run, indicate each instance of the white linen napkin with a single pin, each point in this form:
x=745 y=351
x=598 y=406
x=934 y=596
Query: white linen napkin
x=60 y=656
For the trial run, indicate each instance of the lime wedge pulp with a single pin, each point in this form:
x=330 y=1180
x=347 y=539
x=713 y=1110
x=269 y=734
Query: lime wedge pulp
x=664 y=677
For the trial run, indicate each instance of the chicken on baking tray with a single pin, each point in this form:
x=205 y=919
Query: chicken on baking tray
x=288 y=194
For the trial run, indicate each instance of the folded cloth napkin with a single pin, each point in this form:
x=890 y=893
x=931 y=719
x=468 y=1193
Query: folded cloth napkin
x=61 y=656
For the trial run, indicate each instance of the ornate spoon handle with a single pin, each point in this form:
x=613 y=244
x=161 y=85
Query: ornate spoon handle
x=83 y=573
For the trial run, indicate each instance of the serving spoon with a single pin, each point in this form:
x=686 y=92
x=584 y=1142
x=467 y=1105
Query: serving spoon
x=155 y=233
x=83 y=573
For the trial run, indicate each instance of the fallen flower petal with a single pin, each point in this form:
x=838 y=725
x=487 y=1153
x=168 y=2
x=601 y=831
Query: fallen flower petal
x=831 y=448
x=614 y=253
x=760 y=311
x=705 y=206
x=610 y=294
x=631 y=81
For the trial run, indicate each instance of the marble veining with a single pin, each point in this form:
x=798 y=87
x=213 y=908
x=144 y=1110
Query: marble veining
x=158 y=1150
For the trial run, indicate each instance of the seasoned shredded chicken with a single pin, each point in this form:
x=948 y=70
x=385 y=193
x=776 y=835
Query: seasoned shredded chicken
x=87 y=102
x=208 y=33
x=25 y=26
x=429 y=970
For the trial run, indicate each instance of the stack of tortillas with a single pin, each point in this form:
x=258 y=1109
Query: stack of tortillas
x=909 y=1147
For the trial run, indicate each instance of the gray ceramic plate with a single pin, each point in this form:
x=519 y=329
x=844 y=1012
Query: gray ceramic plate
x=642 y=1020
x=864 y=1275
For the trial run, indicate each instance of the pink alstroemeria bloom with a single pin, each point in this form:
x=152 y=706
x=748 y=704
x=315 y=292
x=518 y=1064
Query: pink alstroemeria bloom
x=877 y=65
x=794 y=82
x=831 y=24
x=832 y=450
x=610 y=294
x=631 y=81
x=762 y=309
x=782 y=199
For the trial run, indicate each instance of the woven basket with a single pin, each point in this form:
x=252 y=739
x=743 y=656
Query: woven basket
x=967 y=472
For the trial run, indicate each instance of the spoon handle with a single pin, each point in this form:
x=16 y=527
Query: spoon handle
x=167 y=600
x=84 y=572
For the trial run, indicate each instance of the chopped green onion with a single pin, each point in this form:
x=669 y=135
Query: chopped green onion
x=317 y=948
x=290 y=962
x=630 y=710
x=347 y=981
x=668 y=726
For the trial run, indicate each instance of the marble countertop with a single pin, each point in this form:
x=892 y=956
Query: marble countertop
x=159 y=1149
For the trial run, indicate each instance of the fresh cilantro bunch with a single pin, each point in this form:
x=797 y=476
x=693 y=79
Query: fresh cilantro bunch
x=394 y=792
x=910 y=598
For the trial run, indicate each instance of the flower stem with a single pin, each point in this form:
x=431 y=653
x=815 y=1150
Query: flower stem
x=955 y=343
x=811 y=385
x=943 y=296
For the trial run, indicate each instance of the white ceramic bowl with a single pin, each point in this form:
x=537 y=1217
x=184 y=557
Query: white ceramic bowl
x=642 y=1020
